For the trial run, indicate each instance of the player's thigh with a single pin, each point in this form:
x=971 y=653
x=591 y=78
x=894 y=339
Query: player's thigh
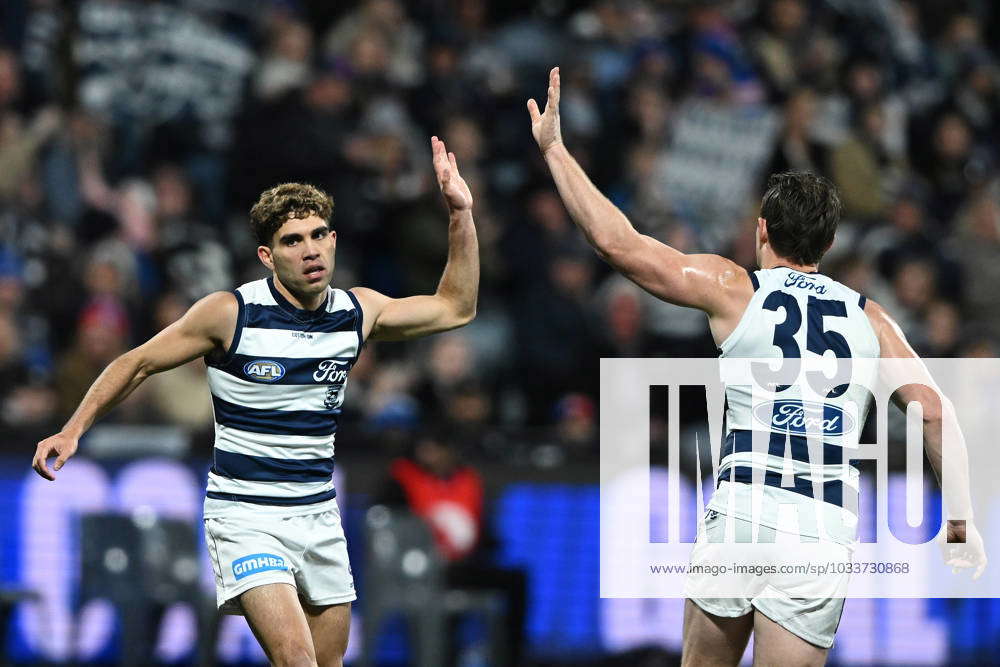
x=773 y=645
x=330 y=626
x=713 y=641
x=277 y=620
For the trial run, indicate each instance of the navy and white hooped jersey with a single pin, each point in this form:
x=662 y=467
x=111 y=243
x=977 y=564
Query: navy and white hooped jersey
x=277 y=394
x=796 y=315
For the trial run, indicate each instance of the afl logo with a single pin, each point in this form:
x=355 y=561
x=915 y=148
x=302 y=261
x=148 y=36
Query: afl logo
x=264 y=370
x=803 y=418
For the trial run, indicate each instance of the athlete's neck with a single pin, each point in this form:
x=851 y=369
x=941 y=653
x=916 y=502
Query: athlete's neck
x=304 y=302
x=802 y=268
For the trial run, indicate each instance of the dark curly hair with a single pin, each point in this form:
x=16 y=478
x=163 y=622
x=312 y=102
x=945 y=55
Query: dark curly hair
x=802 y=211
x=283 y=202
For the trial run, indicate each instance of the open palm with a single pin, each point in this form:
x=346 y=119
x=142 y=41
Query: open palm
x=545 y=126
x=454 y=188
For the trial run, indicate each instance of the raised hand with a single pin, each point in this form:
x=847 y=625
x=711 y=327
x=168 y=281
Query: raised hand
x=545 y=126
x=454 y=188
x=60 y=445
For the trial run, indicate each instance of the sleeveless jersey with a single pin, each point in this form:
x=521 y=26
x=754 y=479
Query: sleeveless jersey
x=766 y=458
x=277 y=395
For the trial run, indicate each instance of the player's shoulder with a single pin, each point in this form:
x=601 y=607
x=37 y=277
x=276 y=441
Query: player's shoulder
x=730 y=287
x=255 y=292
x=878 y=316
x=368 y=298
x=720 y=272
x=225 y=301
x=214 y=313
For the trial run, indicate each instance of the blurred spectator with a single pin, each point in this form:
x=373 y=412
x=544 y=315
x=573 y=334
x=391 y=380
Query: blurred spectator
x=102 y=335
x=911 y=234
x=787 y=34
x=978 y=245
x=953 y=166
x=576 y=424
x=622 y=324
x=942 y=329
x=558 y=353
x=915 y=288
x=862 y=167
x=722 y=69
x=436 y=485
x=27 y=406
x=378 y=36
x=285 y=65
x=188 y=252
x=180 y=397
x=796 y=148
x=20 y=146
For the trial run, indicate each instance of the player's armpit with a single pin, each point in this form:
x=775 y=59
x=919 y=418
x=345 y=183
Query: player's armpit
x=708 y=282
x=208 y=325
x=389 y=319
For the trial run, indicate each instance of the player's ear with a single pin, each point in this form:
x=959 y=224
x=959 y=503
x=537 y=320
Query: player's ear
x=264 y=254
x=761 y=230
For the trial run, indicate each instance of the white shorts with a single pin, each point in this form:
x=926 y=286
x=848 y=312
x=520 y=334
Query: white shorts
x=807 y=604
x=308 y=551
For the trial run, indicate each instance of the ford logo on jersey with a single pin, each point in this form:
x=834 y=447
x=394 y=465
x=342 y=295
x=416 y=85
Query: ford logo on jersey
x=332 y=371
x=803 y=418
x=254 y=563
x=264 y=370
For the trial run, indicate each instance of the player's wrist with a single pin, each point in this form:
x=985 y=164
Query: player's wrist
x=73 y=431
x=553 y=147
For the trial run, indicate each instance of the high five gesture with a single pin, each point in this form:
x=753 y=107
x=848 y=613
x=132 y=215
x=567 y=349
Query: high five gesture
x=453 y=187
x=545 y=126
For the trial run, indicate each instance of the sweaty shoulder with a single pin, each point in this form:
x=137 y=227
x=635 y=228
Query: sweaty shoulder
x=732 y=278
x=725 y=290
x=728 y=285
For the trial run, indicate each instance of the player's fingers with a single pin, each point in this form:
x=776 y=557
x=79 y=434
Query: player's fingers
x=979 y=571
x=454 y=163
x=41 y=468
x=533 y=110
x=555 y=84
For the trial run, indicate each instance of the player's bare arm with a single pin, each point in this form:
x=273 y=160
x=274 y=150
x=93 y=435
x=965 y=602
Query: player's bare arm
x=454 y=303
x=208 y=325
x=965 y=545
x=711 y=283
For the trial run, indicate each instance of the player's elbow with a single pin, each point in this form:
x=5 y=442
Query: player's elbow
x=457 y=310
x=940 y=410
x=616 y=246
x=462 y=316
x=935 y=409
x=608 y=247
x=136 y=364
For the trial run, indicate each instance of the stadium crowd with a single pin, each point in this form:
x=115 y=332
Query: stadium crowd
x=134 y=136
